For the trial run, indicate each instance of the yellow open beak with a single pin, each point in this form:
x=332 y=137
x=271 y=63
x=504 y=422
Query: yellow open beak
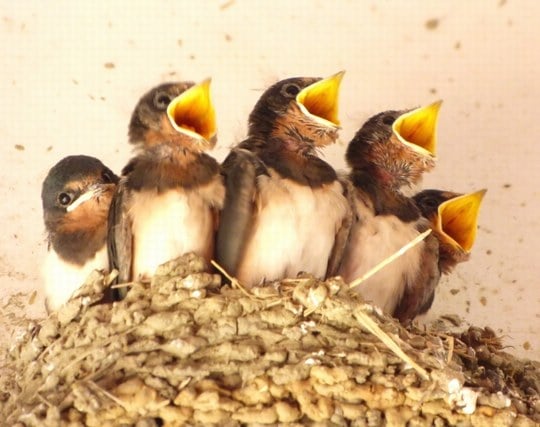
x=192 y=112
x=457 y=219
x=418 y=129
x=320 y=100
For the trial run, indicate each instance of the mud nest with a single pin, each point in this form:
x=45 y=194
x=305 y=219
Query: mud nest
x=185 y=350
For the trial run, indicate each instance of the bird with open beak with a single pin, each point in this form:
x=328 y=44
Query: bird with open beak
x=397 y=147
x=170 y=193
x=76 y=196
x=285 y=210
x=454 y=221
x=391 y=151
x=453 y=218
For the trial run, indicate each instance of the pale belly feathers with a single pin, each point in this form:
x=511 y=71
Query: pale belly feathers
x=62 y=279
x=173 y=223
x=374 y=238
x=294 y=230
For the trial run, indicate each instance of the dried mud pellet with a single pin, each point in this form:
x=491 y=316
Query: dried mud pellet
x=175 y=416
x=385 y=397
x=408 y=380
x=279 y=391
x=199 y=281
x=494 y=400
x=366 y=359
x=398 y=416
x=275 y=356
x=374 y=417
x=223 y=328
x=440 y=408
x=164 y=302
x=73 y=416
x=316 y=408
x=166 y=321
x=388 y=381
x=265 y=292
x=147 y=422
x=338 y=420
x=289 y=373
x=418 y=421
x=51 y=382
x=351 y=411
x=180 y=267
x=183 y=347
x=209 y=310
x=360 y=374
x=162 y=386
x=185 y=398
x=31 y=350
x=278 y=317
x=214 y=416
x=417 y=342
x=287 y=412
x=519 y=405
x=256 y=392
x=358 y=422
x=328 y=375
x=270 y=337
x=503 y=419
x=250 y=305
x=522 y=421
x=206 y=401
x=256 y=414
x=48 y=331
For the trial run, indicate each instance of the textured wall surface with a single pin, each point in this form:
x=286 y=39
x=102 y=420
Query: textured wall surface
x=71 y=72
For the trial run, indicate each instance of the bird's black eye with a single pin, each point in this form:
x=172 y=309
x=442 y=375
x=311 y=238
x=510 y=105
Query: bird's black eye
x=388 y=120
x=290 y=89
x=64 y=199
x=106 y=177
x=162 y=100
x=431 y=203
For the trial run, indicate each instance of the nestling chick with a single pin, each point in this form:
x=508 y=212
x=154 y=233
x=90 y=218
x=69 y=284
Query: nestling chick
x=285 y=210
x=170 y=194
x=76 y=196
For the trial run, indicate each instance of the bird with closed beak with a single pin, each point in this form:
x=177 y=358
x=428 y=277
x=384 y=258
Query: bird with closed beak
x=171 y=191
x=76 y=196
x=285 y=210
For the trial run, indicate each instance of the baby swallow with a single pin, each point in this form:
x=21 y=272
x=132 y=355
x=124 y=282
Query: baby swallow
x=391 y=151
x=285 y=210
x=397 y=147
x=454 y=219
x=76 y=196
x=170 y=193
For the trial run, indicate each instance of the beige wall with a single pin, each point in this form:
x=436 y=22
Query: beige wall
x=60 y=97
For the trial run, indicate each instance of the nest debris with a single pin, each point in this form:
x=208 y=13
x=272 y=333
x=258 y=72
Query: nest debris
x=185 y=350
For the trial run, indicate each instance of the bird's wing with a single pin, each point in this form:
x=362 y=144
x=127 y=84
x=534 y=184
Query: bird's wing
x=240 y=170
x=343 y=234
x=120 y=239
x=418 y=295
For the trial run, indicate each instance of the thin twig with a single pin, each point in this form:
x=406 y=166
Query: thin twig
x=368 y=323
x=234 y=281
x=450 y=349
x=111 y=396
x=390 y=259
x=122 y=285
